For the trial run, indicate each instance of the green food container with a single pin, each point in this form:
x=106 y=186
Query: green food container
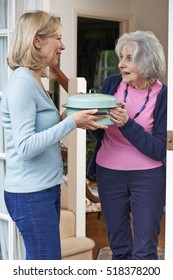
x=85 y=101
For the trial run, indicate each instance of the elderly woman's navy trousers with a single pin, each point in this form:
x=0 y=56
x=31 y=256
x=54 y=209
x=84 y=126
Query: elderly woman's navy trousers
x=139 y=194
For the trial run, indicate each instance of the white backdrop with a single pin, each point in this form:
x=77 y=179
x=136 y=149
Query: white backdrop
x=169 y=196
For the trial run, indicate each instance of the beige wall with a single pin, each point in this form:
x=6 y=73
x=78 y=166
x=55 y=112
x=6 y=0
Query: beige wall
x=134 y=14
x=68 y=10
x=141 y=14
x=152 y=15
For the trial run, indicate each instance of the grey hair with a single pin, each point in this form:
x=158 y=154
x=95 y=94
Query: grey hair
x=148 y=56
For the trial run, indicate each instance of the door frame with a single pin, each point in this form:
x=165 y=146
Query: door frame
x=125 y=23
x=169 y=163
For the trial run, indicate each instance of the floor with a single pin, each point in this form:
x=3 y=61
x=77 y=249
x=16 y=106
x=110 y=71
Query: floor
x=96 y=230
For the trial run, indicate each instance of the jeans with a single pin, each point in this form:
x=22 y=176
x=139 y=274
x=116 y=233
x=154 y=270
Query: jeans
x=37 y=216
x=140 y=193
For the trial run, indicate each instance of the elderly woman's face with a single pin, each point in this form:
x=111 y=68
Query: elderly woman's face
x=129 y=71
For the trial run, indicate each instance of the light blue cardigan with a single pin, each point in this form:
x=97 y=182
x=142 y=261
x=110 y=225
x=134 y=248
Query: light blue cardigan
x=33 y=131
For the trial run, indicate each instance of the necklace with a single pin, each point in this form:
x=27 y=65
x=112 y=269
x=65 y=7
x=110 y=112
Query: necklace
x=143 y=106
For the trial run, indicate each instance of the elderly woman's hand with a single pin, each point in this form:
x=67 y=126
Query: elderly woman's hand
x=86 y=119
x=119 y=115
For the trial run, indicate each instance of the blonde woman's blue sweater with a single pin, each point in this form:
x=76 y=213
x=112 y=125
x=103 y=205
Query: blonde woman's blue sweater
x=33 y=131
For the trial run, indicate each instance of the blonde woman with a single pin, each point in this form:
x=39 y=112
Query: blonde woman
x=33 y=130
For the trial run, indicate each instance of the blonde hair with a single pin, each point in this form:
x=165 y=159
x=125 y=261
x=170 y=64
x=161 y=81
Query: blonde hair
x=22 y=50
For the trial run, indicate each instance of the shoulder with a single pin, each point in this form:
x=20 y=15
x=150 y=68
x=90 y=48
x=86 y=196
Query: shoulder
x=113 y=78
x=162 y=96
x=17 y=78
x=21 y=81
x=161 y=102
x=111 y=83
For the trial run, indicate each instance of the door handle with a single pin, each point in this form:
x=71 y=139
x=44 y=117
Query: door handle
x=170 y=140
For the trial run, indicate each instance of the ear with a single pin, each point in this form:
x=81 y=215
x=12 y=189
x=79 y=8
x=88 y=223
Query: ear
x=37 y=42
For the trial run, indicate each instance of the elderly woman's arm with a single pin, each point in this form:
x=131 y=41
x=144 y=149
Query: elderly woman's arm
x=152 y=145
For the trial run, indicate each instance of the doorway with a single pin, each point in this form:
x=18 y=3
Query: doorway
x=96 y=58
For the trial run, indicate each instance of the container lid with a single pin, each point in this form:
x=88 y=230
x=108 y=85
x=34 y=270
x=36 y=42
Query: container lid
x=91 y=101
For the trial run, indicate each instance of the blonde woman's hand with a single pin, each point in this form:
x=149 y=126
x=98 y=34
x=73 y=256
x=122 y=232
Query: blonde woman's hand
x=119 y=115
x=86 y=119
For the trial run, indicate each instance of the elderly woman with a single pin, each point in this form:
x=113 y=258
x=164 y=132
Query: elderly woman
x=130 y=154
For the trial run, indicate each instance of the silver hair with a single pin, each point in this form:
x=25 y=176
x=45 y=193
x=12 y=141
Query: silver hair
x=148 y=56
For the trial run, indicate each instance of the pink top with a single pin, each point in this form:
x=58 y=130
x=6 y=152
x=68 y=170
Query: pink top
x=116 y=151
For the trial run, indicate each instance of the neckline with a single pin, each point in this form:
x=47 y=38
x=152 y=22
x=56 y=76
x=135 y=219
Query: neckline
x=126 y=92
x=39 y=82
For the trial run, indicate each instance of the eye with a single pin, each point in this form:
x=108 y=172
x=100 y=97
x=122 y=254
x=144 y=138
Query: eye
x=59 y=38
x=130 y=58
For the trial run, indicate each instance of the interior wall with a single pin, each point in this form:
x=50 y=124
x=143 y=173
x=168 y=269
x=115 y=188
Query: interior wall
x=137 y=14
x=145 y=15
x=152 y=15
x=68 y=12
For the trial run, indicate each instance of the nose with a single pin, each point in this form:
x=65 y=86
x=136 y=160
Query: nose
x=62 y=46
x=121 y=63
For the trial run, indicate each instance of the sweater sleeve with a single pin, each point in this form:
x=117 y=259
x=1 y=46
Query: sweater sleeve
x=151 y=144
x=22 y=110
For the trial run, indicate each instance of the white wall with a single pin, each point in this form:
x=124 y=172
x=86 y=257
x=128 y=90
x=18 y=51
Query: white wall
x=169 y=189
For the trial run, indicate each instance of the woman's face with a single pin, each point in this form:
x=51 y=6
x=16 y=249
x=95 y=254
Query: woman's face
x=129 y=71
x=50 y=48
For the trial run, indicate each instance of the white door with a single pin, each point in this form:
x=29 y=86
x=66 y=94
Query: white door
x=169 y=194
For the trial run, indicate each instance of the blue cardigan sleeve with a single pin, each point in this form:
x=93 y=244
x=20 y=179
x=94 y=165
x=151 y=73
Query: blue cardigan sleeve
x=152 y=144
